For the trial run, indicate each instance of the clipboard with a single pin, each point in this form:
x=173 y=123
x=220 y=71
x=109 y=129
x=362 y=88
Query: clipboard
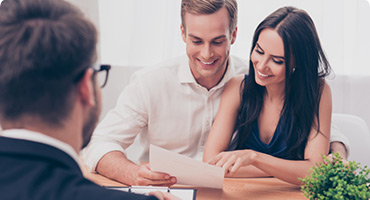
x=182 y=193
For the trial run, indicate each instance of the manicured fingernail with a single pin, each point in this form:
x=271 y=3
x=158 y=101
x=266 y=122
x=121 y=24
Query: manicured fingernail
x=166 y=177
x=173 y=180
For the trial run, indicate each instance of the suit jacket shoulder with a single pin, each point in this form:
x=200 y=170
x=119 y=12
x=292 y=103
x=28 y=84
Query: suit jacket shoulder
x=31 y=170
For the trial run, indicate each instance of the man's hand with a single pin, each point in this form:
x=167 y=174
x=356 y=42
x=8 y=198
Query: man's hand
x=116 y=166
x=145 y=176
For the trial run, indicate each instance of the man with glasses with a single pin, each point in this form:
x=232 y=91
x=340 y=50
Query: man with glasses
x=174 y=104
x=49 y=102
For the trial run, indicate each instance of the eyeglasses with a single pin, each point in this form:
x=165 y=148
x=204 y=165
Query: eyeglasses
x=101 y=71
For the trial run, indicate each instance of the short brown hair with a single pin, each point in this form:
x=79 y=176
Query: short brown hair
x=209 y=7
x=43 y=45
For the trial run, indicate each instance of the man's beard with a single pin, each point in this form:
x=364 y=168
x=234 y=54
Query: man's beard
x=90 y=123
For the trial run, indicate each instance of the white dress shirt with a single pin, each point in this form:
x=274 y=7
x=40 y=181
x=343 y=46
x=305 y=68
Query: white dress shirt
x=338 y=136
x=164 y=106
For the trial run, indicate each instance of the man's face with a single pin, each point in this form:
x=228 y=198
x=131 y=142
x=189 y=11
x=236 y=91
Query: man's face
x=93 y=117
x=208 y=42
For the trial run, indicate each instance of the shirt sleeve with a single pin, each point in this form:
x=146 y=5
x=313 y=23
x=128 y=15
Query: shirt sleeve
x=337 y=136
x=121 y=125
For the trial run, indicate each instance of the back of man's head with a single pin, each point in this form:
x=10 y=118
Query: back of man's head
x=200 y=7
x=44 y=46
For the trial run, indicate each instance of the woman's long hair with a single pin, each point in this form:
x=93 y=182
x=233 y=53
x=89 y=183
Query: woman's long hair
x=306 y=66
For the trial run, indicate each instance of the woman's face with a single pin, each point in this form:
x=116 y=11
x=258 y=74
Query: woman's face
x=268 y=59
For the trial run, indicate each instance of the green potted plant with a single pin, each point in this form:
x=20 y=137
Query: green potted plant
x=335 y=179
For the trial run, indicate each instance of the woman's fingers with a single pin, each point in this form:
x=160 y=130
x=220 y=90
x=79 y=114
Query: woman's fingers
x=231 y=161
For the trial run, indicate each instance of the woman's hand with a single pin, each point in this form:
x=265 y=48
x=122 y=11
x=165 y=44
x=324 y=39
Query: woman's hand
x=231 y=161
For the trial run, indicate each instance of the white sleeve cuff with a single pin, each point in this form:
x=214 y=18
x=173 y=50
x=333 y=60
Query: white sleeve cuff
x=337 y=136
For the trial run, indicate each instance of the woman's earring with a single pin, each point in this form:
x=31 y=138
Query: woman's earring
x=293 y=70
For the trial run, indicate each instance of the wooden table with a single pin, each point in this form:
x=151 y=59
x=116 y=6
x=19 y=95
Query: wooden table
x=234 y=188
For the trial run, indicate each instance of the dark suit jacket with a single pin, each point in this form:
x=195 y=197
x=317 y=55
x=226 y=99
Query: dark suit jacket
x=31 y=170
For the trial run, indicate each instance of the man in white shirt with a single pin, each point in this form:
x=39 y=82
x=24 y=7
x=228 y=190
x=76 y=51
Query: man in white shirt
x=174 y=104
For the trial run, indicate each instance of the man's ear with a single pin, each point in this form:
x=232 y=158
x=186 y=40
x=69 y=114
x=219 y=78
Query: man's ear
x=86 y=88
x=233 y=35
x=183 y=33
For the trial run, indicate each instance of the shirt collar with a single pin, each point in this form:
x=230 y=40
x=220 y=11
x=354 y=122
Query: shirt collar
x=185 y=75
x=230 y=72
x=42 y=138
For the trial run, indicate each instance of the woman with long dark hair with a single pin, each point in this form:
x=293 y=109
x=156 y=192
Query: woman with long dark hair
x=281 y=111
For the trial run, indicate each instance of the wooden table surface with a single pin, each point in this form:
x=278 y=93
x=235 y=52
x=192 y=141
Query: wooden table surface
x=234 y=188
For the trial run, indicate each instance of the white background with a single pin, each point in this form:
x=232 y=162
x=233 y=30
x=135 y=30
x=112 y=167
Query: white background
x=145 y=32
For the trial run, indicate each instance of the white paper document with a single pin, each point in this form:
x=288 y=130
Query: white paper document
x=188 y=171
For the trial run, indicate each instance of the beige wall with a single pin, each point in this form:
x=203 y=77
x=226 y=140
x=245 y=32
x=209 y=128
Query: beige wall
x=91 y=10
x=89 y=7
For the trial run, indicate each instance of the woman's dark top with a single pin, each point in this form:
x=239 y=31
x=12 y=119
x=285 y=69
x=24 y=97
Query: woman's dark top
x=277 y=147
